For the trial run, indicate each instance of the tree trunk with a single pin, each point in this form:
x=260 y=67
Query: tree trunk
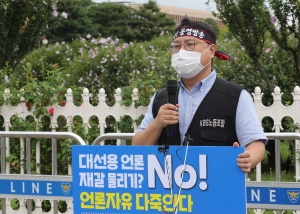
x=264 y=75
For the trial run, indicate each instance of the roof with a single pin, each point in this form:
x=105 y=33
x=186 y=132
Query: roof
x=181 y=11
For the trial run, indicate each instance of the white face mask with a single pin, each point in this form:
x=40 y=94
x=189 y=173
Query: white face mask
x=188 y=63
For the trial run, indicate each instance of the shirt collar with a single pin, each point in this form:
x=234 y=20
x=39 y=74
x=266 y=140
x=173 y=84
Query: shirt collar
x=206 y=82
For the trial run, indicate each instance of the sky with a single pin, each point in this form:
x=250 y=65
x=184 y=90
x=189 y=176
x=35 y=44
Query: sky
x=190 y=4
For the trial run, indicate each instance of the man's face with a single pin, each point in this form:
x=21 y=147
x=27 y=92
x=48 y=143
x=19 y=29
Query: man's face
x=190 y=43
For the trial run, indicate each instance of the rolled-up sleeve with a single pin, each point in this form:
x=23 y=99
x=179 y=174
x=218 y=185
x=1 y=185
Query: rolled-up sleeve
x=248 y=127
x=148 y=117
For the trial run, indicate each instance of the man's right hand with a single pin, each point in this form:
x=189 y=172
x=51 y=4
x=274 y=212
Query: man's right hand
x=167 y=115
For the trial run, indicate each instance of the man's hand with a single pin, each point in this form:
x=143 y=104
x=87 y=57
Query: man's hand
x=167 y=115
x=244 y=160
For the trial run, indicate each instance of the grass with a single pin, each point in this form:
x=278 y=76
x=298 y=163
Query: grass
x=285 y=177
x=268 y=174
x=250 y=211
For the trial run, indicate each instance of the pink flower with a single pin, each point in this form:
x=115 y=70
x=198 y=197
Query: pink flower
x=268 y=50
x=273 y=19
x=51 y=111
x=88 y=36
x=54 y=13
x=6 y=79
x=16 y=48
x=64 y=14
x=63 y=103
x=242 y=48
x=102 y=41
x=27 y=104
x=118 y=49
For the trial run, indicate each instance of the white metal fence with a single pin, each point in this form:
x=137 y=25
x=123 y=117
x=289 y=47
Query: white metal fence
x=277 y=111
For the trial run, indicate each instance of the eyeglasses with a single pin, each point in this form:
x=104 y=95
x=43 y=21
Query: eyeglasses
x=188 y=45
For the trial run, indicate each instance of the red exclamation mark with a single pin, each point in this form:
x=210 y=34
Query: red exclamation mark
x=203 y=171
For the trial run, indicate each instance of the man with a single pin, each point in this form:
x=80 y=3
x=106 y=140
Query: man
x=210 y=110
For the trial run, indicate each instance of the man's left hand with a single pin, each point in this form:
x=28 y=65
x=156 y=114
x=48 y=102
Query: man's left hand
x=244 y=160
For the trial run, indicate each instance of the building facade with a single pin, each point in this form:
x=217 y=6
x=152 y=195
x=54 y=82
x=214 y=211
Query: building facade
x=178 y=13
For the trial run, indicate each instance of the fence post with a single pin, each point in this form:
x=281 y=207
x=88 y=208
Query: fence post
x=28 y=170
x=3 y=162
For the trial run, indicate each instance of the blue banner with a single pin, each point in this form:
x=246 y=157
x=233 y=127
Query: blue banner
x=272 y=195
x=36 y=188
x=137 y=179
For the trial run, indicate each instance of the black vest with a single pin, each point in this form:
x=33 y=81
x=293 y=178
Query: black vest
x=214 y=121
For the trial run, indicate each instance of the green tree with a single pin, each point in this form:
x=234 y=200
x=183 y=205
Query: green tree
x=214 y=25
x=112 y=19
x=247 y=20
x=149 y=22
x=78 y=23
x=285 y=30
x=22 y=24
x=129 y=24
x=224 y=33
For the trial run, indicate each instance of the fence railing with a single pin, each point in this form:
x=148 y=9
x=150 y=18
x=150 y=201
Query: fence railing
x=277 y=111
x=28 y=135
x=123 y=136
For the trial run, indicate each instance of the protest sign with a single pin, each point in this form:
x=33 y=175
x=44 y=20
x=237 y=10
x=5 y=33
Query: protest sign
x=137 y=179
